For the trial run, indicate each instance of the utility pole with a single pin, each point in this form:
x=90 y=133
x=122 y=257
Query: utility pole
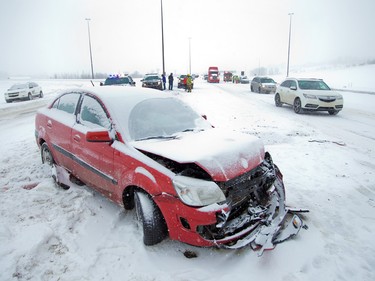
x=88 y=28
x=162 y=35
x=290 y=33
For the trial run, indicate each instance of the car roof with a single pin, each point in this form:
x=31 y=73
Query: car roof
x=304 y=79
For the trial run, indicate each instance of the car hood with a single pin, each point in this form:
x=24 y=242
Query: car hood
x=269 y=84
x=222 y=154
x=322 y=93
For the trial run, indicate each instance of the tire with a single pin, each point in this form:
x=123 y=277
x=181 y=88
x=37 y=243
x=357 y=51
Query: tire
x=46 y=155
x=41 y=94
x=47 y=158
x=259 y=90
x=30 y=96
x=333 y=112
x=297 y=105
x=278 y=102
x=150 y=219
x=251 y=89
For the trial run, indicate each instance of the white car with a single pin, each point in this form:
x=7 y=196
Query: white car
x=23 y=91
x=308 y=94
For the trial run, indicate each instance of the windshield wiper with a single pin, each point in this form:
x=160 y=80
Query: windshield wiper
x=156 y=137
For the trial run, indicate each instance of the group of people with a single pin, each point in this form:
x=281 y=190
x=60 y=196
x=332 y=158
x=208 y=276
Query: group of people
x=188 y=81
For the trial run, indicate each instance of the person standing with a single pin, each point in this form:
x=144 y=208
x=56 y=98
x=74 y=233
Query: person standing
x=164 y=80
x=189 y=83
x=170 y=81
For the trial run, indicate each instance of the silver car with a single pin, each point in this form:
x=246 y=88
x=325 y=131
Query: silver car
x=263 y=85
x=308 y=94
x=23 y=91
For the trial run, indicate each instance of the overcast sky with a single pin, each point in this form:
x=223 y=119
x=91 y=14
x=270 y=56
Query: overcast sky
x=51 y=36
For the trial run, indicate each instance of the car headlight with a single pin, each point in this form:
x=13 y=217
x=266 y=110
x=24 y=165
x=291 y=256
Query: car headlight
x=339 y=97
x=196 y=192
x=308 y=96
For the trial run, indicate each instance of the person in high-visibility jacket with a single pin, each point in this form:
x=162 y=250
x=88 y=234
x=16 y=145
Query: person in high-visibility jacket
x=189 y=83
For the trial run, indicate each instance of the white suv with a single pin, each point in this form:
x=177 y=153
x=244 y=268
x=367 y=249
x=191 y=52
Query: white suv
x=308 y=94
x=23 y=91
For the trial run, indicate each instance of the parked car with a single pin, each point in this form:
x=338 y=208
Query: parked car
x=263 y=85
x=244 y=79
x=152 y=81
x=118 y=80
x=182 y=81
x=152 y=152
x=23 y=91
x=308 y=94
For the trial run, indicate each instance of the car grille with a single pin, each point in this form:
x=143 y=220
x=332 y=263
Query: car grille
x=13 y=95
x=327 y=99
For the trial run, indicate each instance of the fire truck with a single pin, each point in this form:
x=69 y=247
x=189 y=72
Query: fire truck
x=213 y=74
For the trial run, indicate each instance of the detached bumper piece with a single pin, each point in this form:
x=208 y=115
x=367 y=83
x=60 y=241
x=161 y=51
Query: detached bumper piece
x=275 y=223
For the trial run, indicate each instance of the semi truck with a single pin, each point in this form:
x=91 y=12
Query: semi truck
x=213 y=74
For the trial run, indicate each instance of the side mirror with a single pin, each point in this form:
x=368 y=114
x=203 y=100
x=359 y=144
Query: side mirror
x=294 y=88
x=98 y=136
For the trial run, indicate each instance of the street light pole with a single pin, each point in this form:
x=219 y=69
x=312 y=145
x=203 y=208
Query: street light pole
x=190 y=55
x=290 y=31
x=88 y=28
x=162 y=35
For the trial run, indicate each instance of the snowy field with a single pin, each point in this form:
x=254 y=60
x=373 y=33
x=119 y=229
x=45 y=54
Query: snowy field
x=328 y=164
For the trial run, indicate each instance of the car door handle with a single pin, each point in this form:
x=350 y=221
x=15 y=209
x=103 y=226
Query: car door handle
x=49 y=124
x=77 y=138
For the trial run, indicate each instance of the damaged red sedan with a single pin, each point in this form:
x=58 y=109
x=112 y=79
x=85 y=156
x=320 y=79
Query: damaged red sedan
x=185 y=178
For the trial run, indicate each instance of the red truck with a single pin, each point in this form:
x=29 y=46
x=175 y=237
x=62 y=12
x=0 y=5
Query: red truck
x=213 y=74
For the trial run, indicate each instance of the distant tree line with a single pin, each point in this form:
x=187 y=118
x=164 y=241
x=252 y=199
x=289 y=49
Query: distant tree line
x=86 y=75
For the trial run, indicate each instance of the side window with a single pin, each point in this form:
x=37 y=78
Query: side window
x=293 y=84
x=93 y=114
x=285 y=84
x=67 y=103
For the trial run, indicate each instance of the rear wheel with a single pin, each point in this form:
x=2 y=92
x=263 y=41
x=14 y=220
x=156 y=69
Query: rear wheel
x=297 y=105
x=278 y=102
x=150 y=219
x=47 y=158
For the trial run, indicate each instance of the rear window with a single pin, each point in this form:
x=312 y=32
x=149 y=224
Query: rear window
x=116 y=81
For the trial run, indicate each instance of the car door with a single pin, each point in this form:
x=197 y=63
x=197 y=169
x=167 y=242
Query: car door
x=291 y=91
x=58 y=126
x=283 y=91
x=93 y=160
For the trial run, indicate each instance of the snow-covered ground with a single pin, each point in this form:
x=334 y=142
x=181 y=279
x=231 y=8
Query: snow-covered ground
x=328 y=164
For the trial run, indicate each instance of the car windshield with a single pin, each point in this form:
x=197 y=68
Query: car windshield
x=153 y=77
x=312 y=85
x=267 y=80
x=163 y=118
x=18 y=86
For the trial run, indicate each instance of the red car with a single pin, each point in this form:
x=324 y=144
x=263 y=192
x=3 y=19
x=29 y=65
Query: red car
x=187 y=180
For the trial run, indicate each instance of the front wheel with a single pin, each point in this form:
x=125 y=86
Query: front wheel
x=30 y=96
x=150 y=219
x=297 y=105
x=251 y=89
x=278 y=102
x=40 y=94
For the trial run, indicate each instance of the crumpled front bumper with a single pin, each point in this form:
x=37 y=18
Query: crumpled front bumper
x=273 y=223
